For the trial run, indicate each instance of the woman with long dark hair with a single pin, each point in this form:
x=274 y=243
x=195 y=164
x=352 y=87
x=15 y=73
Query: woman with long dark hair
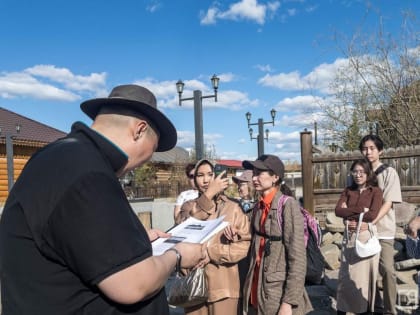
x=222 y=255
x=357 y=276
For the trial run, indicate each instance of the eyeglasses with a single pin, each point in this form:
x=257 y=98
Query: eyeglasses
x=360 y=173
x=191 y=176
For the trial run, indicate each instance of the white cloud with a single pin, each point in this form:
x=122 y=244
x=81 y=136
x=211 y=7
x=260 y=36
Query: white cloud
x=185 y=138
x=64 y=76
x=264 y=68
x=166 y=93
x=210 y=17
x=284 y=81
x=414 y=52
x=281 y=137
x=243 y=10
x=299 y=121
x=153 y=6
x=43 y=82
x=212 y=138
x=319 y=78
x=226 y=77
x=300 y=103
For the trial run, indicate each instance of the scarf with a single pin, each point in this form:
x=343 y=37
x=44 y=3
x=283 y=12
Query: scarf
x=264 y=207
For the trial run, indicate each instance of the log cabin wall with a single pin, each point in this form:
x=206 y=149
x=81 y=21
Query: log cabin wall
x=21 y=155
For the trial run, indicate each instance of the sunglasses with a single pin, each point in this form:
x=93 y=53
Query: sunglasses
x=360 y=173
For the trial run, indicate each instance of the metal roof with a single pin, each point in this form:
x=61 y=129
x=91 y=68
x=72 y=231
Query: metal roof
x=175 y=155
x=29 y=130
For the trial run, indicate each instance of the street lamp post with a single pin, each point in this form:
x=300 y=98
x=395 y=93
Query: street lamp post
x=198 y=112
x=260 y=137
x=9 y=156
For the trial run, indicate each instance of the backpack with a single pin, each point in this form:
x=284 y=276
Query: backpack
x=381 y=168
x=312 y=233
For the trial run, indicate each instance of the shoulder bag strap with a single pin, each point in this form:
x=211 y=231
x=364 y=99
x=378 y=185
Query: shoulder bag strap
x=282 y=200
x=359 y=224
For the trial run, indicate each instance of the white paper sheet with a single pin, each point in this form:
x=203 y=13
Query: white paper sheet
x=191 y=230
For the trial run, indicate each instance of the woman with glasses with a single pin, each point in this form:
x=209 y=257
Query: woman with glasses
x=187 y=194
x=246 y=190
x=357 y=276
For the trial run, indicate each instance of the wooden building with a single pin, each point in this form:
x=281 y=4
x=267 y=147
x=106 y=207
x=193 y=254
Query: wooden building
x=26 y=136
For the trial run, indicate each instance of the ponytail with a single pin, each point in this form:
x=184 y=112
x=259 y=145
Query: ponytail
x=285 y=189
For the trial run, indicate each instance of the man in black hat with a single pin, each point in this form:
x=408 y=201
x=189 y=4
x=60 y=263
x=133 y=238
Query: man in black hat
x=69 y=241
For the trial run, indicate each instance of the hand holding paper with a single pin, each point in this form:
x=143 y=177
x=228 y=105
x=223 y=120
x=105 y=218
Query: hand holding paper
x=191 y=230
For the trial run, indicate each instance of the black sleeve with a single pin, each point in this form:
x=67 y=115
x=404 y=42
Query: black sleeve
x=95 y=231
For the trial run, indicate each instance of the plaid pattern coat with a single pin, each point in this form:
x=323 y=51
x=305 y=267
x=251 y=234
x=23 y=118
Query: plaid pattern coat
x=282 y=271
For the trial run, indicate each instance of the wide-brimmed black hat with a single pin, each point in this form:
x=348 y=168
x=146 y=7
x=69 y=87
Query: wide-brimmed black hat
x=139 y=100
x=266 y=162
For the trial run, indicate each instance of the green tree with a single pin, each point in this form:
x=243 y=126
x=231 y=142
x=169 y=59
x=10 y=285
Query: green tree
x=145 y=175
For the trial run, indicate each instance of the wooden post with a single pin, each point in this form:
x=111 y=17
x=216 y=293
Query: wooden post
x=146 y=219
x=307 y=172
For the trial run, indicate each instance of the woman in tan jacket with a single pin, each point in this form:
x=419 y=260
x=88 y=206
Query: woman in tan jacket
x=222 y=255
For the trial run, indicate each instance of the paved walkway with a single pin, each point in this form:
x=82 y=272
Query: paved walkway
x=322 y=302
x=322 y=298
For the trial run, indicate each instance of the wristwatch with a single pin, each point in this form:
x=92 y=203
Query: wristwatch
x=178 y=258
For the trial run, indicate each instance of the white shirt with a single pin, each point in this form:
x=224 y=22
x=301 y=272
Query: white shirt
x=185 y=196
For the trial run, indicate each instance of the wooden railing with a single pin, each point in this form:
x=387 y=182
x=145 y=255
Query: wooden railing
x=329 y=172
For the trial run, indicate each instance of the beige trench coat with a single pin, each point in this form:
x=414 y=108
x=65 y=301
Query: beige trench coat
x=222 y=271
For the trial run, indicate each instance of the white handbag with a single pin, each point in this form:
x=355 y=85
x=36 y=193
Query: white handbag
x=371 y=247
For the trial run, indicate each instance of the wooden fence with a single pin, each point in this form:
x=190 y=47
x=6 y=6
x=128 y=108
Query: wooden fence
x=330 y=171
x=157 y=190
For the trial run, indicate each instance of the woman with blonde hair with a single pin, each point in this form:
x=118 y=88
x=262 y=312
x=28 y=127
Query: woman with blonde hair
x=246 y=190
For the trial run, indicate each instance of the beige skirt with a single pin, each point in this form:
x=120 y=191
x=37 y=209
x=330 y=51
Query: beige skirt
x=357 y=276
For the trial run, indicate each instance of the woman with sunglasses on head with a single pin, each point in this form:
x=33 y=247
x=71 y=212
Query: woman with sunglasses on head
x=275 y=283
x=357 y=276
x=246 y=190
x=222 y=255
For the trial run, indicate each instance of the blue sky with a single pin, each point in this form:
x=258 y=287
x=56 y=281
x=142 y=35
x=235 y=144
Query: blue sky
x=268 y=54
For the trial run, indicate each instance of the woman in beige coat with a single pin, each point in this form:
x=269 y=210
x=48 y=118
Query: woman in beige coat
x=275 y=281
x=222 y=255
